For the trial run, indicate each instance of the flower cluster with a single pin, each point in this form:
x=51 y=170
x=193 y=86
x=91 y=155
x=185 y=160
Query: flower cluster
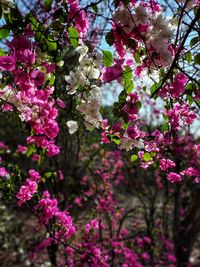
x=180 y=113
x=86 y=73
x=34 y=103
x=48 y=209
x=29 y=188
x=143 y=23
x=79 y=17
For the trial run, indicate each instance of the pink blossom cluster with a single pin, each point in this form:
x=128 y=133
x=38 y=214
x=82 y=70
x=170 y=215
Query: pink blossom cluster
x=180 y=113
x=34 y=103
x=138 y=25
x=131 y=107
x=3 y=171
x=48 y=209
x=29 y=188
x=79 y=17
x=176 y=89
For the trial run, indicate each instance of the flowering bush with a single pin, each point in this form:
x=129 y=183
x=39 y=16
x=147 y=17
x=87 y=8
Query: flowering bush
x=71 y=164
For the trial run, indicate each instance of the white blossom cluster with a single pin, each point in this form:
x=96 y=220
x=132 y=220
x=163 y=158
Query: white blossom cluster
x=128 y=21
x=87 y=70
x=190 y=3
x=90 y=106
x=157 y=35
x=90 y=100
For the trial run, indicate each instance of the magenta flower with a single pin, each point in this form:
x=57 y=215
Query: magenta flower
x=174 y=177
x=166 y=164
x=3 y=172
x=26 y=191
x=7 y=63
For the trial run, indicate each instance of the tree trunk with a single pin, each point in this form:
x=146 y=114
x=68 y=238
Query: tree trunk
x=188 y=231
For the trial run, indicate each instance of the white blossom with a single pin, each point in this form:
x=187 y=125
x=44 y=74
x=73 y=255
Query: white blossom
x=73 y=126
x=124 y=18
x=141 y=14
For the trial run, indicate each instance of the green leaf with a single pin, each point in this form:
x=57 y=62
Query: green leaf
x=139 y=104
x=115 y=139
x=51 y=45
x=73 y=36
x=110 y=38
x=128 y=85
x=122 y=96
x=2 y=52
x=134 y=158
x=165 y=117
x=147 y=156
x=194 y=41
x=48 y=174
x=190 y=87
x=47 y=5
x=188 y=57
x=4 y=33
x=127 y=79
x=30 y=150
x=132 y=44
x=165 y=127
x=107 y=58
x=154 y=87
x=190 y=99
x=52 y=79
x=197 y=59
x=95 y=8
x=127 y=73
x=137 y=58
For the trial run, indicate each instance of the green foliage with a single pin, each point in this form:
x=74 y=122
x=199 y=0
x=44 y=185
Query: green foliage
x=107 y=58
x=194 y=41
x=197 y=59
x=31 y=150
x=154 y=88
x=134 y=158
x=147 y=156
x=137 y=58
x=110 y=38
x=127 y=76
x=47 y=4
x=73 y=36
x=188 y=57
x=95 y=8
x=132 y=44
x=4 y=33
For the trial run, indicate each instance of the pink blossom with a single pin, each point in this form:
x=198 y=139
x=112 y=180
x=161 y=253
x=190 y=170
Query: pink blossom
x=166 y=164
x=147 y=240
x=7 y=63
x=21 y=149
x=191 y=172
x=178 y=85
x=3 y=145
x=113 y=73
x=197 y=148
x=34 y=175
x=7 y=107
x=145 y=256
x=133 y=132
x=26 y=191
x=171 y=258
x=36 y=157
x=52 y=150
x=3 y=172
x=60 y=175
x=174 y=177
